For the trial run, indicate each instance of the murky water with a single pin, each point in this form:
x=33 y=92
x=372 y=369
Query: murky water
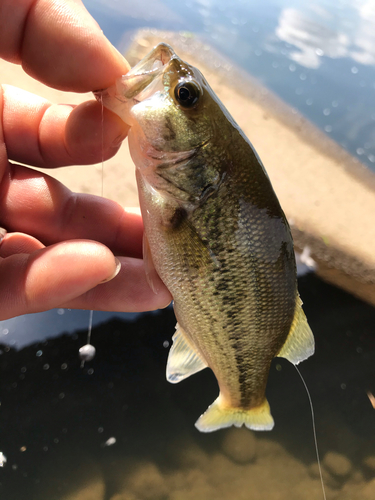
x=116 y=430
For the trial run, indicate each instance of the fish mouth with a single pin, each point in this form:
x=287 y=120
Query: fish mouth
x=139 y=83
x=154 y=61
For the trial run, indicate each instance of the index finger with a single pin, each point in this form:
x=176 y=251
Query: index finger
x=36 y=204
x=58 y=43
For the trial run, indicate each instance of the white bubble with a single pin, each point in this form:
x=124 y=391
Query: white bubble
x=166 y=343
x=354 y=70
x=60 y=312
x=360 y=151
x=326 y=111
x=39 y=353
x=87 y=352
x=328 y=128
x=110 y=441
x=5 y=331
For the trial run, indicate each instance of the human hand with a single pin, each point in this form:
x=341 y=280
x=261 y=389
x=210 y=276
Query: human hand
x=60 y=245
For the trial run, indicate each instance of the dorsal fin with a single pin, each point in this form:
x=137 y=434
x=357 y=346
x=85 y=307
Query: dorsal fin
x=299 y=344
x=184 y=359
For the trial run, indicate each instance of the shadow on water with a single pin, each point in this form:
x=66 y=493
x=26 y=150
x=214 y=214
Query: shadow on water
x=117 y=430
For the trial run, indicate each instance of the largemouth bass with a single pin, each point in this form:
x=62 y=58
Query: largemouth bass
x=215 y=234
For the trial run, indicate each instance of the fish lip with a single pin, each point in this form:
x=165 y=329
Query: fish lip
x=146 y=66
x=139 y=83
x=142 y=76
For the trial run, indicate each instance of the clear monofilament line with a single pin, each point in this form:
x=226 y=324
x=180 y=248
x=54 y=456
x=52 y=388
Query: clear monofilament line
x=87 y=352
x=314 y=432
x=90 y=327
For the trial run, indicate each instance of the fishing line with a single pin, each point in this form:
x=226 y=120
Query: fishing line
x=102 y=109
x=88 y=351
x=314 y=432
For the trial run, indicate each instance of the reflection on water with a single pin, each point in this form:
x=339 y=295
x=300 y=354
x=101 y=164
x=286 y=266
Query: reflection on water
x=116 y=430
x=323 y=30
x=312 y=37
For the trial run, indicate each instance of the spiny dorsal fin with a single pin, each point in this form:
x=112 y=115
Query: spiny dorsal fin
x=184 y=359
x=299 y=344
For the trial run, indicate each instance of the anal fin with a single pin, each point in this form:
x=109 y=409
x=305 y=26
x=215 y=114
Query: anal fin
x=299 y=344
x=184 y=359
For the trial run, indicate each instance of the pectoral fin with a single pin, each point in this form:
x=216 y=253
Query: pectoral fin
x=299 y=344
x=184 y=359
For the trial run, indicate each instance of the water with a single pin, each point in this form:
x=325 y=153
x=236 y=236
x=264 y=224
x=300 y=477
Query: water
x=317 y=56
x=116 y=430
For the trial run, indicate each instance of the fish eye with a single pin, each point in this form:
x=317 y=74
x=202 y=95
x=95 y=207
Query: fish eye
x=187 y=94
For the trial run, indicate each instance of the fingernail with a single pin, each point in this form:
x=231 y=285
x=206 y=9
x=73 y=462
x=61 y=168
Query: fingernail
x=117 y=270
x=3 y=232
x=169 y=303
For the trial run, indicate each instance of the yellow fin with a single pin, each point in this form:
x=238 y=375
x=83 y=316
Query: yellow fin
x=299 y=344
x=184 y=359
x=218 y=416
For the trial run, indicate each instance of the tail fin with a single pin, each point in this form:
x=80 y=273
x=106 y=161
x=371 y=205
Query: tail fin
x=218 y=416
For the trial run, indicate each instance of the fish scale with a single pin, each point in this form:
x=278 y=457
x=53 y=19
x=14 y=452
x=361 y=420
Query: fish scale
x=215 y=234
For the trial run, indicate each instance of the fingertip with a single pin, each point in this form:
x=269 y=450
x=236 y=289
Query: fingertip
x=115 y=272
x=93 y=133
x=18 y=243
x=66 y=270
x=78 y=57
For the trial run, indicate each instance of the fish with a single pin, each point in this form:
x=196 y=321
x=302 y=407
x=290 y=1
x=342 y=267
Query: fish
x=216 y=235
